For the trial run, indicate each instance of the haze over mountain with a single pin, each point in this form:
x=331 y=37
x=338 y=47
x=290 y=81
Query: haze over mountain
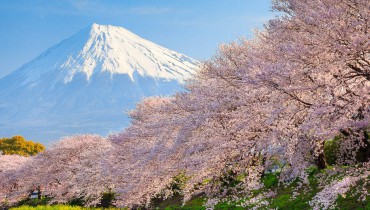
x=87 y=83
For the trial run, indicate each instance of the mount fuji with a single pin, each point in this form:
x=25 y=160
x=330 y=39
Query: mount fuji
x=87 y=83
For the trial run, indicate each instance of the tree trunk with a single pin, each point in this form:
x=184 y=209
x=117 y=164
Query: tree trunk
x=320 y=161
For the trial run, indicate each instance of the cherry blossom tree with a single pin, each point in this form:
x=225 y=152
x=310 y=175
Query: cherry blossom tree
x=316 y=60
x=302 y=81
x=75 y=167
x=9 y=165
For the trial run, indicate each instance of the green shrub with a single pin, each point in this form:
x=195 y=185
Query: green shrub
x=270 y=180
x=178 y=183
x=331 y=149
x=107 y=200
x=34 y=202
x=312 y=170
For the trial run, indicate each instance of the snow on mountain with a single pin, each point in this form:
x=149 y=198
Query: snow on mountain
x=87 y=83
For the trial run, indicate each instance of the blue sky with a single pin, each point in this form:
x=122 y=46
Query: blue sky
x=192 y=27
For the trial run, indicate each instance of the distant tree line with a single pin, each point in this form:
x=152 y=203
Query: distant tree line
x=17 y=145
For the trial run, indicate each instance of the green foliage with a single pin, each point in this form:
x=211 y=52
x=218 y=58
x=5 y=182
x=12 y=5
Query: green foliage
x=230 y=179
x=34 y=202
x=17 y=145
x=312 y=170
x=170 y=203
x=351 y=202
x=178 y=183
x=351 y=199
x=77 y=202
x=270 y=180
x=197 y=201
x=107 y=200
x=282 y=201
x=367 y=136
x=225 y=206
x=331 y=149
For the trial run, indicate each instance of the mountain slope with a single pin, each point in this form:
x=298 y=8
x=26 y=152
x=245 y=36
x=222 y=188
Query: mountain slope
x=86 y=84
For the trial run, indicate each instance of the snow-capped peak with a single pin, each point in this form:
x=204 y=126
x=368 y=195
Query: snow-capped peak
x=118 y=51
x=87 y=83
